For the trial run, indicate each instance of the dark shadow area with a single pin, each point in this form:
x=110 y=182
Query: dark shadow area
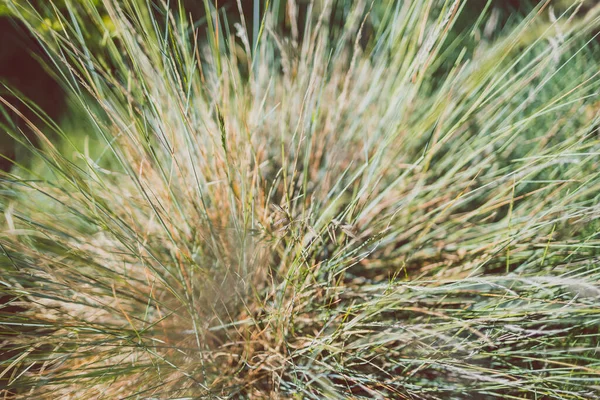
x=23 y=64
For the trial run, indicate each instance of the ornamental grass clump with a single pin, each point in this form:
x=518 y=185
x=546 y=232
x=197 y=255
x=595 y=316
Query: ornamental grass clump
x=401 y=204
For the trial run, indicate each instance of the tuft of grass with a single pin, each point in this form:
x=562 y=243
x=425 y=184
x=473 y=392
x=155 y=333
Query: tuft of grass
x=384 y=207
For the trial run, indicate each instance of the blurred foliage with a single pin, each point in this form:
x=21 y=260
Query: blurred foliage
x=19 y=54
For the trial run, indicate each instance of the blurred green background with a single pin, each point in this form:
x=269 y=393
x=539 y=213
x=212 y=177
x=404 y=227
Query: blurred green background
x=25 y=70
